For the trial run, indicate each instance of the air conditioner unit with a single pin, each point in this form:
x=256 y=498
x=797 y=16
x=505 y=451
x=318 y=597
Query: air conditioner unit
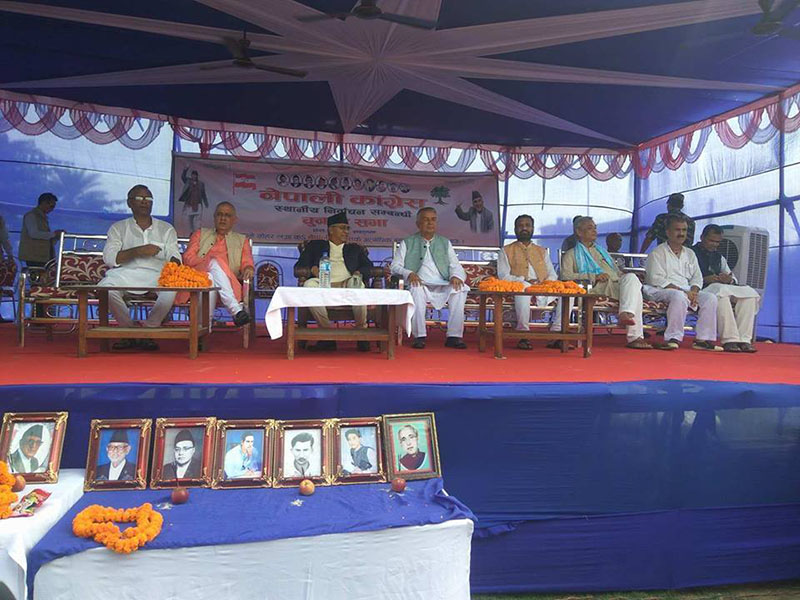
x=747 y=251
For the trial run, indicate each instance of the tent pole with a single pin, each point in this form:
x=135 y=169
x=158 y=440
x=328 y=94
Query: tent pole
x=781 y=212
x=505 y=202
x=637 y=198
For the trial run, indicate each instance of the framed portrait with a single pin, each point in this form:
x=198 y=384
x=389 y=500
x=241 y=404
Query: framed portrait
x=357 y=450
x=119 y=454
x=302 y=452
x=243 y=456
x=31 y=443
x=412 y=450
x=183 y=453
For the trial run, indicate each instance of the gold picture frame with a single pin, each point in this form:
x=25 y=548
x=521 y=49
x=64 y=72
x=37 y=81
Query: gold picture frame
x=243 y=470
x=112 y=444
x=412 y=446
x=180 y=437
x=306 y=440
x=42 y=434
x=357 y=451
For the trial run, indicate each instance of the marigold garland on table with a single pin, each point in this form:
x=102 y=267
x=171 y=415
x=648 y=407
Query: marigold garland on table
x=555 y=287
x=175 y=275
x=97 y=522
x=7 y=497
x=492 y=284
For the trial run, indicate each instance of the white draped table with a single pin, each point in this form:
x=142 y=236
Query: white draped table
x=397 y=305
x=19 y=535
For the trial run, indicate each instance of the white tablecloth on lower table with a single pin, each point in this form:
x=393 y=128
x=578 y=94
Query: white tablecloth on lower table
x=286 y=296
x=19 y=535
x=423 y=562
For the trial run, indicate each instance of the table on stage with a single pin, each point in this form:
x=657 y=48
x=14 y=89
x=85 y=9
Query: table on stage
x=497 y=301
x=292 y=298
x=199 y=323
x=349 y=542
x=19 y=535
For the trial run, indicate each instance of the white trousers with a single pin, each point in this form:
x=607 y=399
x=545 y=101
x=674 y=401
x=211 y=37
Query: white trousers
x=321 y=313
x=220 y=279
x=706 y=328
x=455 y=309
x=736 y=324
x=630 y=301
x=122 y=313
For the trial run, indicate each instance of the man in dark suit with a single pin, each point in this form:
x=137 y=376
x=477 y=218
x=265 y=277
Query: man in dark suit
x=350 y=265
x=118 y=467
x=185 y=466
x=23 y=459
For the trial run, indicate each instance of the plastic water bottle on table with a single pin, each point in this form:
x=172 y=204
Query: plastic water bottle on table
x=325 y=271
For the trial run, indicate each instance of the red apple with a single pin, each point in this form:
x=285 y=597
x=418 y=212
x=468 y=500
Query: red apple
x=307 y=487
x=19 y=484
x=180 y=495
x=399 y=485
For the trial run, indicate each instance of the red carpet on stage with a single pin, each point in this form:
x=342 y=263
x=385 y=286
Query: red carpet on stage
x=42 y=362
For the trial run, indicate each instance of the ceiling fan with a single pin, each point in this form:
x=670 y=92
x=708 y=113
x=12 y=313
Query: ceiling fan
x=369 y=9
x=239 y=49
x=771 y=23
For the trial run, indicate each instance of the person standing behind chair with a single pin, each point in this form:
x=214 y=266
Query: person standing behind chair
x=5 y=245
x=658 y=230
x=433 y=274
x=350 y=265
x=36 y=239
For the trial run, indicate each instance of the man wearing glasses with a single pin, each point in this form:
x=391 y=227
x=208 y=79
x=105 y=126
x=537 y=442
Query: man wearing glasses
x=118 y=467
x=23 y=459
x=135 y=251
x=184 y=466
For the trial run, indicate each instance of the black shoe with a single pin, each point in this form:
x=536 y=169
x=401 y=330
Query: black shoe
x=241 y=318
x=455 y=342
x=323 y=346
x=418 y=343
x=362 y=346
x=124 y=344
x=147 y=345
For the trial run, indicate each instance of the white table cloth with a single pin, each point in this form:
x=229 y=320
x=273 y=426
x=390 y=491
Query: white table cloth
x=424 y=562
x=18 y=536
x=286 y=296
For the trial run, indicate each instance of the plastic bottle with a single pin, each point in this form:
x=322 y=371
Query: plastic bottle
x=325 y=271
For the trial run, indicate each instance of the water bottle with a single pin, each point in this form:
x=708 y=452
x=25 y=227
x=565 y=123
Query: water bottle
x=325 y=271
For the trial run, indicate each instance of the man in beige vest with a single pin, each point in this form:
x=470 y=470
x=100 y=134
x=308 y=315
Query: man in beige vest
x=36 y=239
x=226 y=256
x=529 y=263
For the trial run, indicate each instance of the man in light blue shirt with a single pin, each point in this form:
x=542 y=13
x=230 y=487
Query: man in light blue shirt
x=242 y=460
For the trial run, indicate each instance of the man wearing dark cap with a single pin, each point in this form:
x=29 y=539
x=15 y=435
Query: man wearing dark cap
x=658 y=230
x=118 y=467
x=23 y=459
x=184 y=466
x=36 y=239
x=349 y=265
x=480 y=218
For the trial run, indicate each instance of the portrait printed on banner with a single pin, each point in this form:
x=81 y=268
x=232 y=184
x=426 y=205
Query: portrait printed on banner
x=183 y=452
x=302 y=452
x=244 y=453
x=357 y=450
x=30 y=443
x=411 y=445
x=118 y=455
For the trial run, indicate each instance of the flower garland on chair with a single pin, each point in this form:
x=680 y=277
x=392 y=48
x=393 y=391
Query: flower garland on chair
x=97 y=522
x=7 y=497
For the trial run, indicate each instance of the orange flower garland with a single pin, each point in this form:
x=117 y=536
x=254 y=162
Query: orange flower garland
x=175 y=275
x=555 y=287
x=97 y=522
x=493 y=284
x=7 y=497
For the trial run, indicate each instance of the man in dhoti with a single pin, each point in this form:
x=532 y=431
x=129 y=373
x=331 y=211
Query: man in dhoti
x=136 y=250
x=433 y=274
x=529 y=263
x=673 y=276
x=734 y=323
x=226 y=256
x=591 y=262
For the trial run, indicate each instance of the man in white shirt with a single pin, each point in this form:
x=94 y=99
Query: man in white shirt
x=433 y=274
x=136 y=250
x=529 y=263
x=302 y=460
x=673 y=276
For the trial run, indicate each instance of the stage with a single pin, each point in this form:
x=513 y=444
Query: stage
x=627 y=470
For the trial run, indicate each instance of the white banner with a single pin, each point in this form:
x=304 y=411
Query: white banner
x=284 y=203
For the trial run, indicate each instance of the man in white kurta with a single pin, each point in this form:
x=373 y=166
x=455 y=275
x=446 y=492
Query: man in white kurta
x=136 y=250
x=673 y=276
x=735 y=324
x=433 y=274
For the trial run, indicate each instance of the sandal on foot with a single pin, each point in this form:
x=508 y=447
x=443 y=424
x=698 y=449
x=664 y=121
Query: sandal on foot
x=639 y=344
x=524 y=345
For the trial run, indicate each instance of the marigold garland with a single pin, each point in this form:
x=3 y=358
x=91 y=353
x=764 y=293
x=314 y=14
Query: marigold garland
x=175 y=275
x=97 y=522
x=7 y=497
x=493 y=284
x=555 y=287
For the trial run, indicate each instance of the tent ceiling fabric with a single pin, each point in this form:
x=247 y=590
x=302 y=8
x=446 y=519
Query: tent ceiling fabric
x=584 y=73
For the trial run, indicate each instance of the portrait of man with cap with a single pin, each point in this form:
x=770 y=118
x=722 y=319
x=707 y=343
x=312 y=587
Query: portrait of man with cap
x=480 y=218
x=350 y=266
x=118 y=467
x=185 y=464
x=33 y=454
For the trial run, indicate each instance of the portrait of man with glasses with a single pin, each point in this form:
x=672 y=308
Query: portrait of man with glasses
x=33 y=452
x=118 y=464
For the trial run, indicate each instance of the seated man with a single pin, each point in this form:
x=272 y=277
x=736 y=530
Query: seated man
x=225 y=256
x=349 y=266
x=735 y=325
x=526 y=262
x=673 y=276
x=588 y=261
x=433 y=274
x=136 y=250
